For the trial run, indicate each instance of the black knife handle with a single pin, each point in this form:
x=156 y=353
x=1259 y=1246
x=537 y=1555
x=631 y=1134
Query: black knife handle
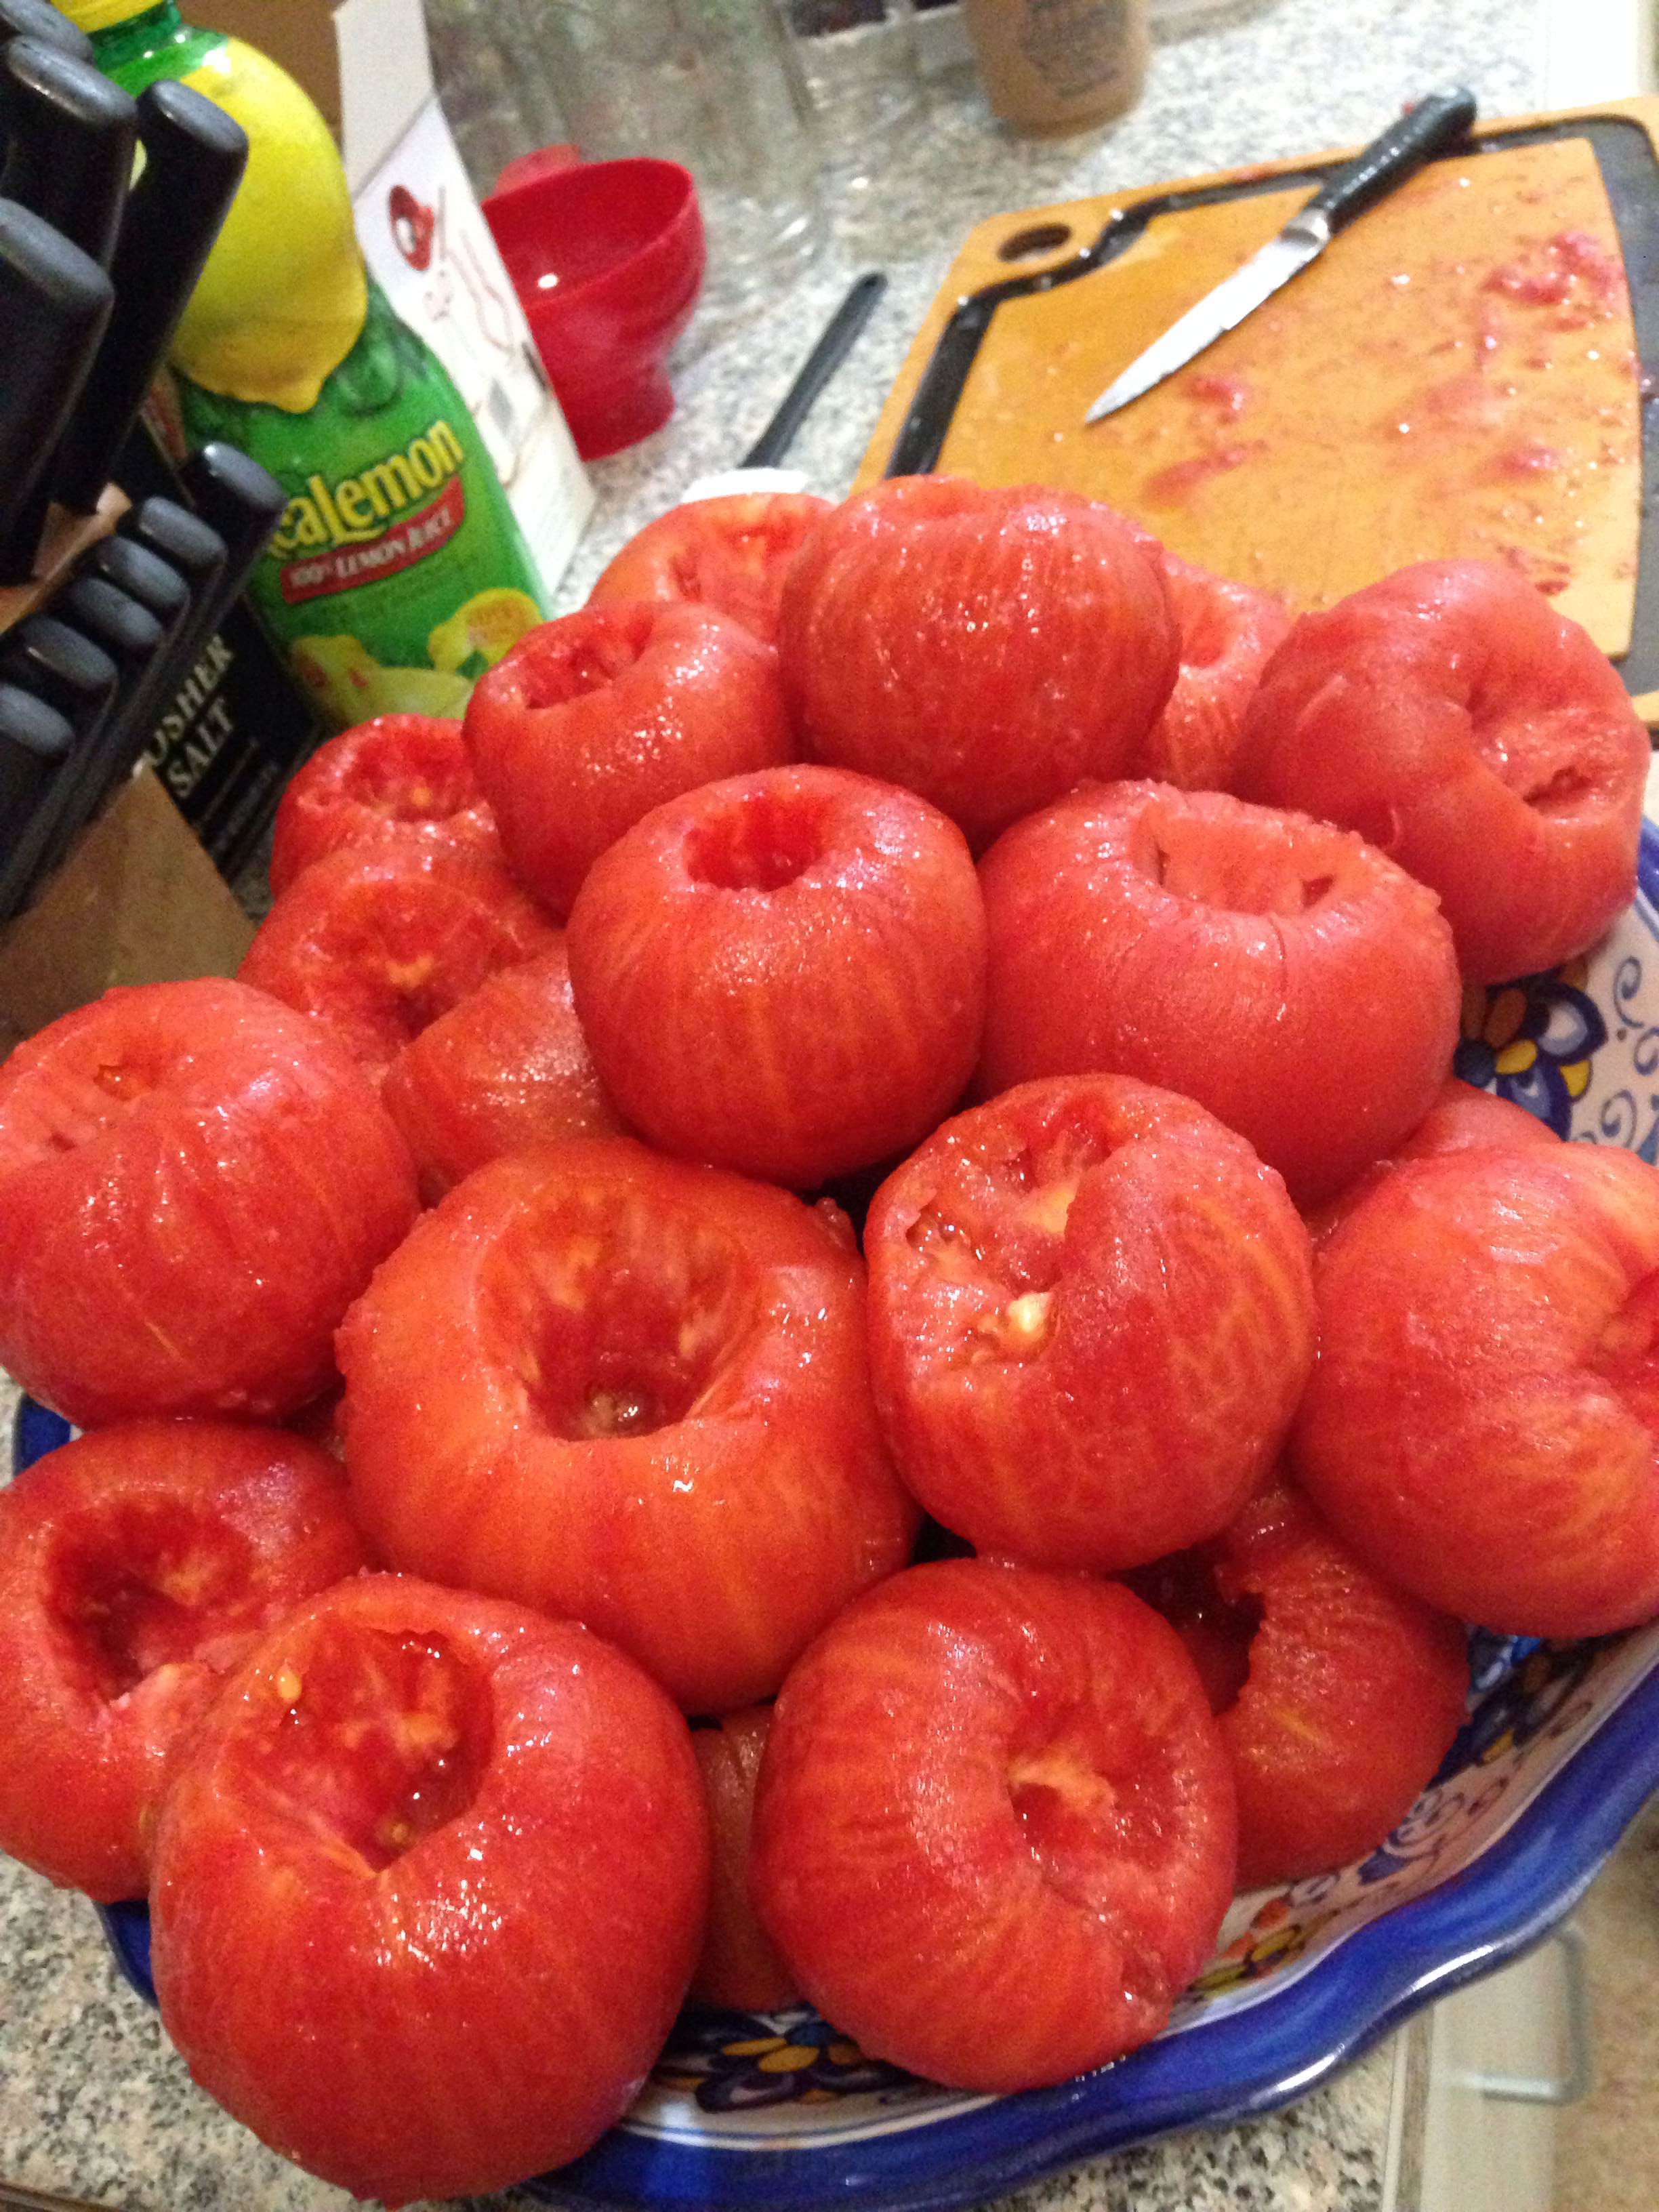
x=70 y=137
x=54 y=305
x=38 y=19
x=1427 y=128
x=194 y=157
x=838 y=341
x=243 y=502
x=71 y=674
x=142 y=575
x=76 y=679
x=184 y=541
x=122 y=626
x=35 y=744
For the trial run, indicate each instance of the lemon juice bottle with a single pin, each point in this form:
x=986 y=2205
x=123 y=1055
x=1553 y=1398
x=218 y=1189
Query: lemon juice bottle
x=398 y=571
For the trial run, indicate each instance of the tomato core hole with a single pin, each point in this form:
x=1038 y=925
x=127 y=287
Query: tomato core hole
x=1277 y=869
x=1077 y=1811
x=141 y=1591
x=615 y=1326
x=761 y=843
x=379 y=1738
x=566 y=664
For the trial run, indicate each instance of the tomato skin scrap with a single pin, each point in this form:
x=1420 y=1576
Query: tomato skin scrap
x=194 y=1182
x=428 y=1890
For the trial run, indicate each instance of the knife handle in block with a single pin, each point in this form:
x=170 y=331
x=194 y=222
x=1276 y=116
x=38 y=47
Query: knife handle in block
x=55 y=303
x=39 y=18
x=1427 y=128
x=34 y=742
x=76 y=679
x=244 y=502
x=70 y=137
x=194 y=157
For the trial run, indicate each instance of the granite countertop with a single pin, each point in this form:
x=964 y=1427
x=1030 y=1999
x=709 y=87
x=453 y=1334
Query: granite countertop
x=92 y=2102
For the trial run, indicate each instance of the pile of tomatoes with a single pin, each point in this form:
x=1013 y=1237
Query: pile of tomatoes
x=482 y=1376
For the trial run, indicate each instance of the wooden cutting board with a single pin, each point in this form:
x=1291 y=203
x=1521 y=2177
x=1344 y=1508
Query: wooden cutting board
x=1459 y=374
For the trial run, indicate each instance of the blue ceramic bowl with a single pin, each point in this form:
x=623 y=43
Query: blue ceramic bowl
x=1559 y=1752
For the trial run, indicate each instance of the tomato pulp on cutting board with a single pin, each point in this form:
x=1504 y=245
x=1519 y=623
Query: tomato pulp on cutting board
x=1455 y=377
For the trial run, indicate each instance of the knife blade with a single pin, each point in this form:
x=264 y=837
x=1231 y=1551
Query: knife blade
x=1433 y=124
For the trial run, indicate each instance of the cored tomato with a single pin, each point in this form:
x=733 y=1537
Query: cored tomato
x=1480 y=1425
x=590 y=721
x=507 y=1069
x=428 y=1889
x=1090 y=1320
x=731 y=553
x=1479 y=738
x=1337 y=1694
x=784 y=973
x=378 y=941
x=1023 y=1767
x=1229 y=632
x=1281 y=972
x=633 y=1393
x=137 y=1565
x=398 y=776
x=985 y=648
x=194 y=1182
x=741 y=1969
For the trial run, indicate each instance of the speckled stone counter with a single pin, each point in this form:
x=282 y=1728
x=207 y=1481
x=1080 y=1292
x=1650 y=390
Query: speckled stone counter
x=92 y=2102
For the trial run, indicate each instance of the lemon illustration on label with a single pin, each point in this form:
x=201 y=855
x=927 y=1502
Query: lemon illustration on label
x=284 y=296
x=485 y=627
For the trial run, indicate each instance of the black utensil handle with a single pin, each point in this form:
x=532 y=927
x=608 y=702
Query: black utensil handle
x=54 y=305
x=142 y=575
x=184 y=541
x=241 y=500
x=1426 y=129
x=78 y=680
x=34 y=742
x=136 y=641
x=71 y=136
x=194 y=157
x=38 y=19
x=816 y=371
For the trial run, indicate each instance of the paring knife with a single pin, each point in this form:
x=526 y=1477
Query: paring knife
x=1429 y=127
x=194 y=157
x=134 y=639
x=34 y=742
x=244 y=502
